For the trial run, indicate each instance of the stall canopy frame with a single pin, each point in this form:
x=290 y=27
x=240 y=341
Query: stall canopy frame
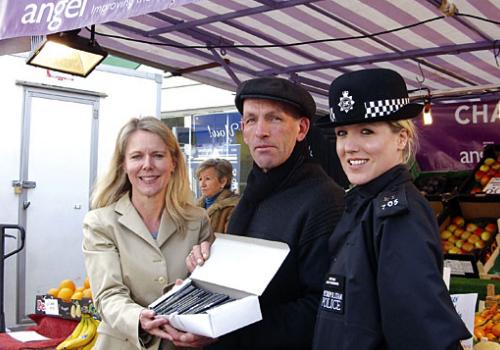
x=313 y=41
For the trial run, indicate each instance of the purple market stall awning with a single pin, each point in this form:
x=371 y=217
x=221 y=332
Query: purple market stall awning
x=41 y=17
x=222 y=42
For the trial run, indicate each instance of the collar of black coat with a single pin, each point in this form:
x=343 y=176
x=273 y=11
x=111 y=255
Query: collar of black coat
x=391 y=178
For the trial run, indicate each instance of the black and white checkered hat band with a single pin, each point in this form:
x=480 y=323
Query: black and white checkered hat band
x=381 y=108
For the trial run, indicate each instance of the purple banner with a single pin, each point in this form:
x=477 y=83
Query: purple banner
x=458 y=135
x=41 y=17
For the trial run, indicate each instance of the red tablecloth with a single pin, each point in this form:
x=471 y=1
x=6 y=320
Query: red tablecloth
x=55 y=328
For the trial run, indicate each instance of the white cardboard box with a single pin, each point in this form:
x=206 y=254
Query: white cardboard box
x=240 y=267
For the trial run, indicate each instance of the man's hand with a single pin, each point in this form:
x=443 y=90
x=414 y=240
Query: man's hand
x=187 y=340
x=198 y=255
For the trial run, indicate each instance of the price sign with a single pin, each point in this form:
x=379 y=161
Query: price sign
x=51 y=307
x=493 y=186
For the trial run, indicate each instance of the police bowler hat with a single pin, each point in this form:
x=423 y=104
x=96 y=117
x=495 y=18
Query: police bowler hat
x=277 y=89
x=366 y=96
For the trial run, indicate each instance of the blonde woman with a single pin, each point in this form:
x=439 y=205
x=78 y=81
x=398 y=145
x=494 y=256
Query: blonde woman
x=384 y=288
x=142 y=226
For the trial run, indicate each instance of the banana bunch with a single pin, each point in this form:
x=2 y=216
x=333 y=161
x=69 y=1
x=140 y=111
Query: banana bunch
x=84 y=335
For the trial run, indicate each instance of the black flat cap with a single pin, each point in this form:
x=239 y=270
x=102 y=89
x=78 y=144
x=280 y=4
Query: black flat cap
x=278 y=89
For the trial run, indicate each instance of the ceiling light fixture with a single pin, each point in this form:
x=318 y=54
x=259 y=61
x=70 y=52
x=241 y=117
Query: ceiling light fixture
x=68 y=52
x=427 y=111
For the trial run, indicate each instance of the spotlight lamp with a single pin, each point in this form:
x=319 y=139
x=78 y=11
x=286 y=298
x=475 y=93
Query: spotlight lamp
x=427 y=111
x=68 y=52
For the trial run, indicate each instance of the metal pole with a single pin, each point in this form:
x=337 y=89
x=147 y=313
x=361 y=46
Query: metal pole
x=4 y=256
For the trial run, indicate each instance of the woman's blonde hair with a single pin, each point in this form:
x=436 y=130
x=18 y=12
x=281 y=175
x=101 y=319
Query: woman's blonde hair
x=411 y=147
x=115 y=182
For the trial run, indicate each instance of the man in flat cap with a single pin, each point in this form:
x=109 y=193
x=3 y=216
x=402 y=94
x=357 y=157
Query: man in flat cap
x=288 y=198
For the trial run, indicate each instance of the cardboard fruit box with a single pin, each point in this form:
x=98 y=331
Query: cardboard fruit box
x=484 y=180
x=72 y=310
x=468 y=234
x=239 y=267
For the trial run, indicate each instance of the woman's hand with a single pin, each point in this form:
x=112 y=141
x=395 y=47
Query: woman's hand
x=189 y=340
x=198 y=255
x=152 y=325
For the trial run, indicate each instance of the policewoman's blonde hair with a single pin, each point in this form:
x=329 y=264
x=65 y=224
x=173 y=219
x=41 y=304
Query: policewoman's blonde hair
x=411 y=148
x=115 y=182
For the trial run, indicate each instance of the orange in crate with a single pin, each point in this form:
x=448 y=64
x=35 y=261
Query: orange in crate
x=53 y=292
x=87 y=293
x=77 y=296
x=65 y=294
x=86 y=283
x=67 y=283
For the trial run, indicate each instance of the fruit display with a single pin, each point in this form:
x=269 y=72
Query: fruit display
x=487 y=323
x=488 y=168
x=468 y=237
x=83 y=336
x=68 y=290
x=72 y=302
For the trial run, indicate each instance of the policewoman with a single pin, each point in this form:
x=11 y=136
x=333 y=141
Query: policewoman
x=384 y=288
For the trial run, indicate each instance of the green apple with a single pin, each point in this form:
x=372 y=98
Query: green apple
x=445 y=234
x=484 y=168
x=480 y=244
x=485 y=236
x=451 y=227
x=465 y=235
x=489 y=161
x=458 y=232
x=455 y=250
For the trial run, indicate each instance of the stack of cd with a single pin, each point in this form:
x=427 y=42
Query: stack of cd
x=190 y=300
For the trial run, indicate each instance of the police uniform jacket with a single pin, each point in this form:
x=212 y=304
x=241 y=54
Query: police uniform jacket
x=220 y=211
x=128 y=269
x=301 y=212
x=384 y=288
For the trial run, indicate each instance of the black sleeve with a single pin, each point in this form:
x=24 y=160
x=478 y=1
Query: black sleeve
x=416 y=309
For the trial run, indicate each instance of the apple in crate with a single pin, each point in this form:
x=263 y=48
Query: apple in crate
x=485 y=236
x=459 y=221
x=489 y=161
x=451 y=228
x=473 y=239
x=465 y=235
x=495 y=166
x=459 y=243
x=445 y=234
x=484 y=180
x=452 y=239
x=468 y=247
x=478 y=231
x=455 y=250
x=480 y=244
x=478 y=175
x=471 y=227
x=484 y=167
x=447 y=246
x=458 y=232
x=491 y=228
